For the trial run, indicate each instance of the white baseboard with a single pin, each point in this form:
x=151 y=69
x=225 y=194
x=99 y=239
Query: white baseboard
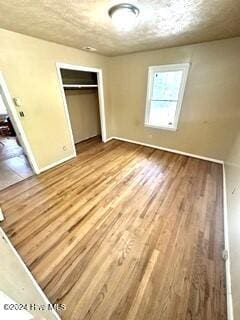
x=108 y=139
x=226 y=244
x=56 y=163
x=169 y=150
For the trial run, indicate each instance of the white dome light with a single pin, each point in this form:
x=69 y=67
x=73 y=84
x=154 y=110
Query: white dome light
x=124 y=16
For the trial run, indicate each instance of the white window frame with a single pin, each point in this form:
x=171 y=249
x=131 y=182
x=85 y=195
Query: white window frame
x=164 y=68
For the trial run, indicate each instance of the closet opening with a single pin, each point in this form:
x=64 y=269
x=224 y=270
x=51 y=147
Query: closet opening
x=82 y=90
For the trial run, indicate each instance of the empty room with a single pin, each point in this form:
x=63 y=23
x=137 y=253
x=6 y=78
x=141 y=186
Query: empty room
x=120 y=160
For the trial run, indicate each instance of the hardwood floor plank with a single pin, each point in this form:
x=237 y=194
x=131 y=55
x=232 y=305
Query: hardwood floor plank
x=124 y=232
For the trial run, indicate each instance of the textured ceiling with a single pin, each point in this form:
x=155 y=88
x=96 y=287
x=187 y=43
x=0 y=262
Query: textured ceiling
x=162 y=23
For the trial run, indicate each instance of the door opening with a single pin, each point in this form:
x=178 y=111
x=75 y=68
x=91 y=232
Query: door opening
x=82 y=91
x=15 y=163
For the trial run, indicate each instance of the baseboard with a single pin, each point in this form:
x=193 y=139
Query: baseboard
x=108 y=139
x=226 y=244
x=56 y=163
x=87 y=138
x=36 y=285
x=169 y=150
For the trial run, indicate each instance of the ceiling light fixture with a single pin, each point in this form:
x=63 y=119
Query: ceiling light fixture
x=89 y=49
x=124 y=15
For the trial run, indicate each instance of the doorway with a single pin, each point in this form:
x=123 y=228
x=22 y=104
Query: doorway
x=82 y=91
x=14 y=161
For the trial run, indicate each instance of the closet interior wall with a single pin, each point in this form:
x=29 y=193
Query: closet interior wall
x=81 y=92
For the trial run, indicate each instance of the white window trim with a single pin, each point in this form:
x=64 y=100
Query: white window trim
x=171 y=67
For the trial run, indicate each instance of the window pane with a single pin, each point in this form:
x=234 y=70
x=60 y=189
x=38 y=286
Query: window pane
x=166 y=85
x=162 y=113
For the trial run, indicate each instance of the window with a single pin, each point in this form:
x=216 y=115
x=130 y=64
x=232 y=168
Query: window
x=166 y=86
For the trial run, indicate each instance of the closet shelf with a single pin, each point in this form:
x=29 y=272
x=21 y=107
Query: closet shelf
x=79 y=86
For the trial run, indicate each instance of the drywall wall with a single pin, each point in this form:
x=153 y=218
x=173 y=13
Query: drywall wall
x=232 y=169
x=207 y=122
x=83 y=107
x=29 y=68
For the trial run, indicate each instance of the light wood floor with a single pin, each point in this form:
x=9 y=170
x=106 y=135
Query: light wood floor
x=124 y=232
x=14 y=166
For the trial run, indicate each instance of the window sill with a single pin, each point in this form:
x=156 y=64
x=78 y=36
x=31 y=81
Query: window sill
x=160 y=127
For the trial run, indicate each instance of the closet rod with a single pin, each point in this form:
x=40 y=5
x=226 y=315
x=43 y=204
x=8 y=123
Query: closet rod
x=80 y=86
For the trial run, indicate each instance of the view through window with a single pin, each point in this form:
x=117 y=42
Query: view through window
x=166 y=85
